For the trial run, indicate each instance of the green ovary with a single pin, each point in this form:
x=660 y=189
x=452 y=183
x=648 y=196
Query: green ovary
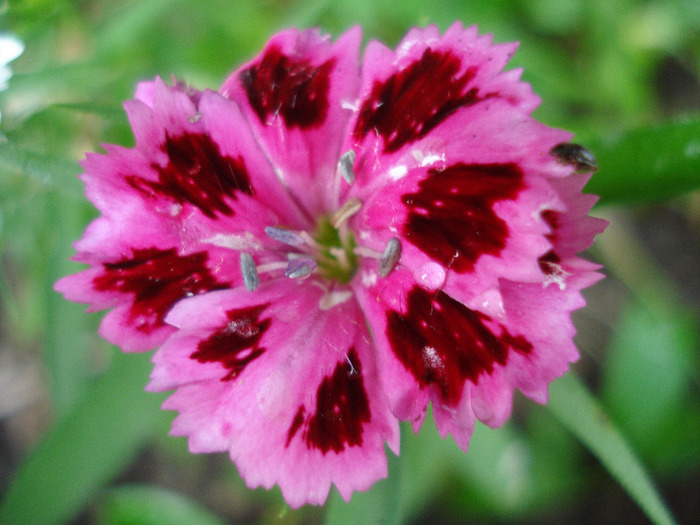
x=336 y=260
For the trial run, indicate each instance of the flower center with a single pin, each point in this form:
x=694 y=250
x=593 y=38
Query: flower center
x=330 y=250
x=336 y=258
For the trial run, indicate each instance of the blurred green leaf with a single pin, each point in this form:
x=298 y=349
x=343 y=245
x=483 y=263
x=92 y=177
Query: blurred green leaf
x=652 y=351
x=113 y=112
x=578 y=411
x=425 y=459
x=130 y=23
x=648 y=164
x=379 y=505
x=506 y=472
x=555 y=459
x=66 y=355
x=37 y=247
x=43 y=170
x=144 y=505
x=85 y=449
x=59 y=83
x=497 y=468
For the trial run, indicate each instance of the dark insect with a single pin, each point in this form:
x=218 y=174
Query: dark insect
x=576 y=155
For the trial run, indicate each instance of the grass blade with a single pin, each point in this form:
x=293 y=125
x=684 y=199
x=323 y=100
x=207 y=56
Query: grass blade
x=578 y=411
x=85 y=449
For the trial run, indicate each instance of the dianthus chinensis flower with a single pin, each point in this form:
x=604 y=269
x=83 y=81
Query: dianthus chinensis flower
x=322 y=248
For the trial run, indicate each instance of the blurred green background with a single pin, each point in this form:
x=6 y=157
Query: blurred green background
x=80 y=442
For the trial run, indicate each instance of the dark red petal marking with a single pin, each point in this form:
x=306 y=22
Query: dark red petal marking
x=291 y=87
x=236 y=344
x=296 y=424
x=197 y=173
x=444 y=343
x=158 y=279
x=551 y=218
x=410 y=103
x=550 y=262
x=342 y=409
x=451 y=217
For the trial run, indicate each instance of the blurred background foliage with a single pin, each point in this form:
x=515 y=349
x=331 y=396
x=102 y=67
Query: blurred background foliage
x=80 y=442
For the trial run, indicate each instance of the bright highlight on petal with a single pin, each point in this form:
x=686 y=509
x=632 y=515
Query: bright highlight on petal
x=327 y=245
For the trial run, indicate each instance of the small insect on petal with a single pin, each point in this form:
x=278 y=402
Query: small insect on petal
x=345 y=164
x=390 y=257
x=300 y=267
x=575 y=155
x=249 y=272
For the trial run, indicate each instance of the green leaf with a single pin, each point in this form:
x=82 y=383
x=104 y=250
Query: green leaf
x=67 y=355
x=648 y=164
x=144 y=505
x=426 y=463
x=506 y=472
x=109 y=112
x=496 y=469
x=578 y=411
x=379 y=505
x=43 y=170
x=87 y=448
x=652 y=351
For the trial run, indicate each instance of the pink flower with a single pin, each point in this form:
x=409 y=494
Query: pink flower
x=321 y=249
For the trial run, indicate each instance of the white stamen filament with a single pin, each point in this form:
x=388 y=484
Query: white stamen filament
x=333 y=298
x=347 y=210
x=272 y=267
x=363 y=251
x=310 y=241
x=340 y=256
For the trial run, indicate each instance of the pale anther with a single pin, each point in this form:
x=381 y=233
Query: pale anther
x=347 y=210
x=289 y=237
x=300 y=267
x=390 y=257
x=249 y=272
x=345 y=164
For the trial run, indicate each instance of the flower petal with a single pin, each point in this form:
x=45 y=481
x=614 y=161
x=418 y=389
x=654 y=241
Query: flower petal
x=571 y=228
x=289 y=389
x=196 y=205
x=408 y=96
x=457 y=169
x=321 y=253
x=141 y=274
x=296 y=97
x=189 y=157
x=462 y=227
x=543 y=314
x=468 y=356
x=433 y=348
